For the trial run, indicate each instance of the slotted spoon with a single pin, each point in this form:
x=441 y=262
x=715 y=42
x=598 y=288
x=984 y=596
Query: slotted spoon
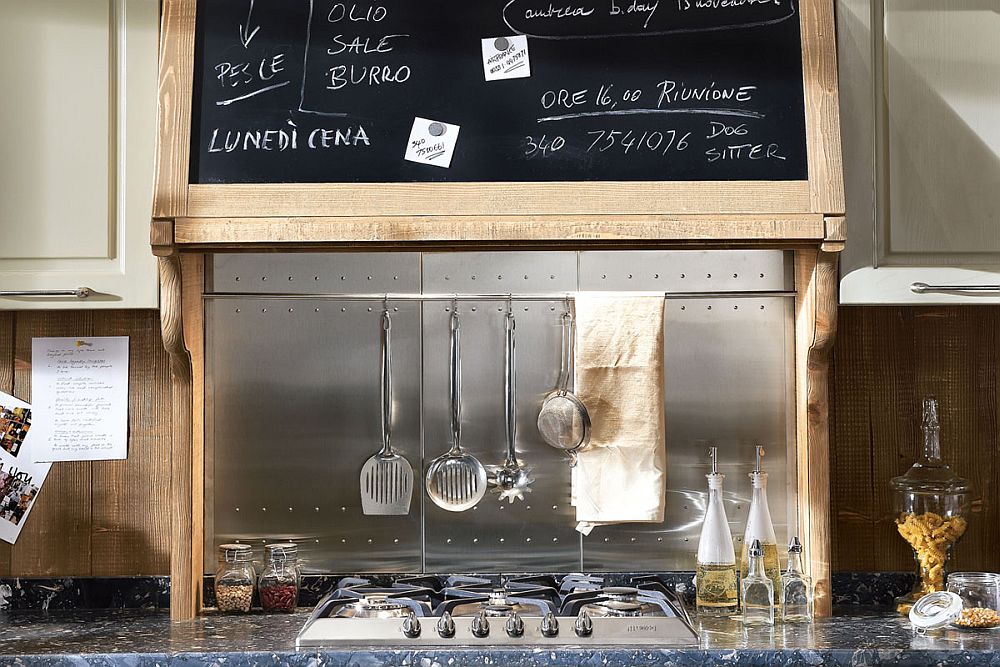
x=387 y=477
x=456 y=480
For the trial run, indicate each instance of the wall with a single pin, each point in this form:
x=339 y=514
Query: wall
x=103 y=518
x=111 y=518
x=886 y=359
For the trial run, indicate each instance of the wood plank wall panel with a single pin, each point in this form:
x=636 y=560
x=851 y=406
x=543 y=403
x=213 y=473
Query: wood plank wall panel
x=131 y=498
x=885 y=360
x=56 y=537
x=102 y=518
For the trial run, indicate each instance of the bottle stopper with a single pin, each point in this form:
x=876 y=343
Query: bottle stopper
x=760 y=455
x=931 y=412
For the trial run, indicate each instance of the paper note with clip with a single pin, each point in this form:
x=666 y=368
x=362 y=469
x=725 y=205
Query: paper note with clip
x=80 y=391
x=431 y=142
x=506 y=58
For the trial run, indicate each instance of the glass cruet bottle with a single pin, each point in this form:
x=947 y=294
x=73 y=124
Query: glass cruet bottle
x=796 y=588
x=757 y=589
x=717 y=590
x=932 y=504
x=759 y=527
x=279 y=582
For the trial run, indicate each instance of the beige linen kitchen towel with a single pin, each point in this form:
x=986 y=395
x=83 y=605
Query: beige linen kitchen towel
x=621 y=476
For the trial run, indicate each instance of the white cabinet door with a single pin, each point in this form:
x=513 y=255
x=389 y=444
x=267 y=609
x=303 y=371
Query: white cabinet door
x=78 y=85
x=920 y=95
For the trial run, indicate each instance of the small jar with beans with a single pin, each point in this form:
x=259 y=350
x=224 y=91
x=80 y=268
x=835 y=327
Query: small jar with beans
x=279 y=582
x=234 y=578
x=980 y=593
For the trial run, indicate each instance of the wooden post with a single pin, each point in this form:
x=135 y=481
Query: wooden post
x=185 y=586
x=815 y=325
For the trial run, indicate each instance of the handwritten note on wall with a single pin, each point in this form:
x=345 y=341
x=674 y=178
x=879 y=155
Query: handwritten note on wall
x=80 y=392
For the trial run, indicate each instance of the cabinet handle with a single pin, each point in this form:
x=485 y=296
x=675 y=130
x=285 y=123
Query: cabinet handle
x=921 y=288
x=79 y=292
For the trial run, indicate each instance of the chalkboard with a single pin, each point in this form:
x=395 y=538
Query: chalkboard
x=323 y=91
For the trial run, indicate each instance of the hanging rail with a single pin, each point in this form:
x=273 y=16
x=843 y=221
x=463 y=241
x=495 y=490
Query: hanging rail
x=554 y=296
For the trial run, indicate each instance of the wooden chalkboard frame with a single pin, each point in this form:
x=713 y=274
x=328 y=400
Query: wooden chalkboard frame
x=637 y=210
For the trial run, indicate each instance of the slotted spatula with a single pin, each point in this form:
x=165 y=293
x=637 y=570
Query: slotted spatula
x=387 y=477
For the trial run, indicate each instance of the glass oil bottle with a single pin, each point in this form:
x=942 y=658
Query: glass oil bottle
x=796 y=588
x=759 y=527
x=716 y=586
x=757 y=589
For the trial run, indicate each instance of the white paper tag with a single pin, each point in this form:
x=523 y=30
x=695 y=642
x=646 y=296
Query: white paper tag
x=431 y=142
x=506 y=58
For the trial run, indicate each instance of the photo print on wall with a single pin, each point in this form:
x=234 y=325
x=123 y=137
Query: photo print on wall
x=20 y=479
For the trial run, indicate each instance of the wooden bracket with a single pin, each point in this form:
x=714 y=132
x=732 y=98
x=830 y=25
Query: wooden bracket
x=185 y=587
x=836 y=227
x=815 y=325
x=161 y=236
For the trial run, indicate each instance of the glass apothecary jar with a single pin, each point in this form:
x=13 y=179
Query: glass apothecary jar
x=234 y=578
x=279 y=582
x=932 y=506
x=980 y=593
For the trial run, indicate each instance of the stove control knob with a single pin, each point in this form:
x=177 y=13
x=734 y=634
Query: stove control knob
x=550 y=626
x=514 y=625
x=411 y=626
x=584 y=627
x=480 y=625
x=446 y=626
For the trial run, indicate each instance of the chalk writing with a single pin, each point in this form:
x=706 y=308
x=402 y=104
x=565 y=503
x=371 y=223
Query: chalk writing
x=328 y=91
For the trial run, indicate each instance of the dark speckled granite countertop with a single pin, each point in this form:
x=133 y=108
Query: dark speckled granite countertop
x=136 y=639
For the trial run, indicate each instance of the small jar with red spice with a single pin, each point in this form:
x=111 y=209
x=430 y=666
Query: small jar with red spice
x=279 y=582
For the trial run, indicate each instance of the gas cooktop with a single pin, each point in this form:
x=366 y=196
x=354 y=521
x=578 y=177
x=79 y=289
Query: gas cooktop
x=575 y=609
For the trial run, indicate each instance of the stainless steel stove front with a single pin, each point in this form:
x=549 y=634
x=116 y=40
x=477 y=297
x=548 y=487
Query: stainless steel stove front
x=606 y=631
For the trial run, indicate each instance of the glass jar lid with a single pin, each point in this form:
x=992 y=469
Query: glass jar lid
x=281 y=552
x=930 y=475
x=235 y=553
x=923 y=478
x=936 y=610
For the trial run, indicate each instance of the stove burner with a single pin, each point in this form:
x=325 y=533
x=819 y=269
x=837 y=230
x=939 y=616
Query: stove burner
x=621 y=593
x=373 y=606
x=621 y=609
x=498 y=610
x=378 y=603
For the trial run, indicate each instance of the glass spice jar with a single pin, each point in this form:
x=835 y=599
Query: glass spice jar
x=932 y=504
x=234 y=578
x=980 y=593
x=279 y=582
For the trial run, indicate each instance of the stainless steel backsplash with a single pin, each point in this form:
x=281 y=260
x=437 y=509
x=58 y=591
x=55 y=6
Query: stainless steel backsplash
x=292 y=402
